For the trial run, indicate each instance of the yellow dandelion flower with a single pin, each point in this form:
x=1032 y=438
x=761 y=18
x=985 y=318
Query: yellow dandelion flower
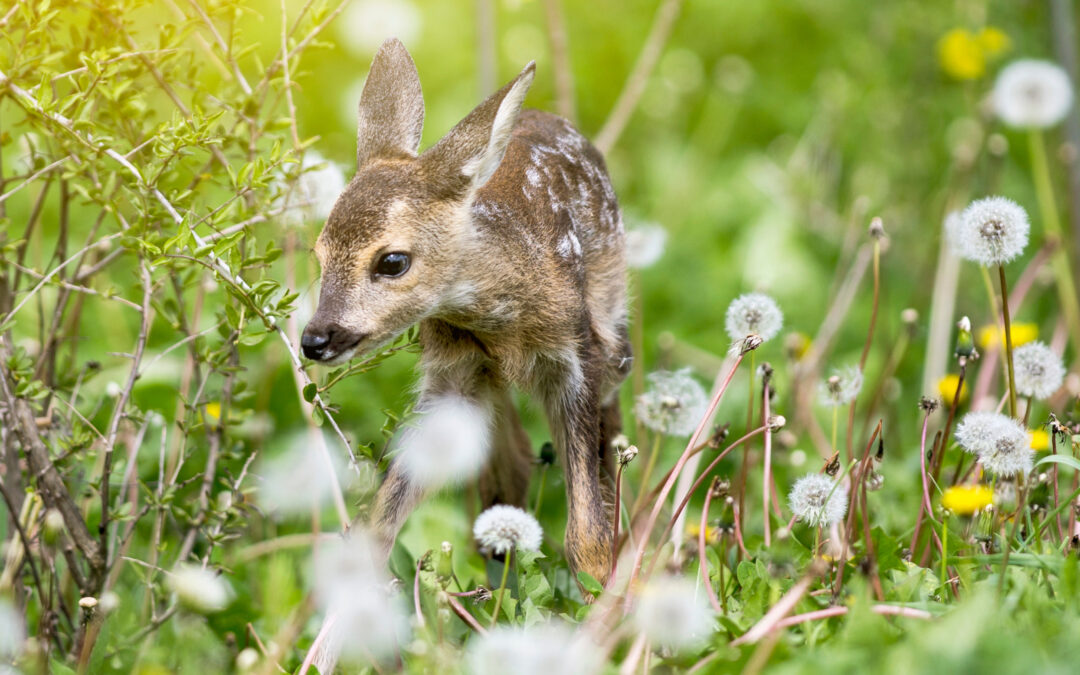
x=213 y=410
x=1022 y=333
x=712 y=535
x=796 y=345
x=961 y=55
x=965 y=500
x=1040 y=440
x=947 y=389
x=993 y=41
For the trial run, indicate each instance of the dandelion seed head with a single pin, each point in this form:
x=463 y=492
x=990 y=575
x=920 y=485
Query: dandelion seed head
x=842 y=387
x=351 y=584
x=1032 y=94
x=366 y=24
x=315 y=192
x=502 y=528
x=992 y=231
x=753 y=314
x=11 y=631
x=546 y=649
x=671 y=613
x=1000 y=442
x=449 y=442
x=817 y=500
x=1039 y=371
x=645 y=245
x=674 y=403
x=303 y=475
x=199 y=589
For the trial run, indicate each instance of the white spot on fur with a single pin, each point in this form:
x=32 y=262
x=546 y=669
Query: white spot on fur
x=569 y=245
x=449 y=442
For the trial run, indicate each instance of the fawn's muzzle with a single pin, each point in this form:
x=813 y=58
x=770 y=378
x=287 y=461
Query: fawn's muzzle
x=324 y=342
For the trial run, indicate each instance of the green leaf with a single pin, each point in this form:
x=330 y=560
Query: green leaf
x=309 y=391
x=1068 y=461
x=589 y=583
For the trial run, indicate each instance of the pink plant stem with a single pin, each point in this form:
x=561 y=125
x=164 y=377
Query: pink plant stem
x=924 y=506
x=464 y=614
x=639 y=556
x=767 y=480
x=615 y=528
x=697 y=483
x=777 y=612
x=828 y=612
x=313 y=651
x=633 y=656
x=703 y=562
x=416 y=594
x=738 y=531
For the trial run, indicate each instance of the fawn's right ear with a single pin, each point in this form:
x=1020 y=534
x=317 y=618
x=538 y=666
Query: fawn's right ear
x=391 y=107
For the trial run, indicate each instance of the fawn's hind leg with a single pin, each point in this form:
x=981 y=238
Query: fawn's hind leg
x=506 y=478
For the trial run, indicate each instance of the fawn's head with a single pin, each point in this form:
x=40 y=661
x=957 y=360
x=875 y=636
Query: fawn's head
x=396 y=238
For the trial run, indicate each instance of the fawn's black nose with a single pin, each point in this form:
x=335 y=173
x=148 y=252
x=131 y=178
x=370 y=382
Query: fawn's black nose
x=314 y=342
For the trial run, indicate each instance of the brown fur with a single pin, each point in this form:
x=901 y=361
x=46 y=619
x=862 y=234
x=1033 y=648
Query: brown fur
x=517 y=280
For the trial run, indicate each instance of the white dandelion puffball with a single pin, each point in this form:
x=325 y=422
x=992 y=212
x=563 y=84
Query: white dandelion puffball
x=366 y=24
x=671 y=613
x=315 y=192
x=351 y=585
x=304 y=475
x=842 y=387
x=645 y=245
x=1038 y=370
x=448 y=443
x=818 y=500
x=953 y=221
x=11 y=631
x=992 y=231
x=547 y=649
x=1001 y=443
x=674 y=404
x=503 y=528
x=753 y=314
x=199 y=589
x=1032 y=94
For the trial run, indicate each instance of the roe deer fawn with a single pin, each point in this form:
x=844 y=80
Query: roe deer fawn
x=505 y=243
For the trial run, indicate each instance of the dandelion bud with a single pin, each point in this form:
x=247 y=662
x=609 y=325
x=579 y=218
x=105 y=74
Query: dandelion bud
x=777 y=422
x=88 y=603
x=877 y=228
x=910 y=316
x=547 y=453
x=482 y=595
x=620 y=442
x=928 y=404
x=53 y=525
x=751 y=343
x=627 y=455
x=247 y=659
x=965 y=344
x=444 y=565
x=719 y=435
x=875 y=481
x=833 y=467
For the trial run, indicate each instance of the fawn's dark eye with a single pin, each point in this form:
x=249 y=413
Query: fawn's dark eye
x=392 y=265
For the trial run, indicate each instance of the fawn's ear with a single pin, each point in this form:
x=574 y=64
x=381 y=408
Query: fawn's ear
x=391 y=106
x=475 y=147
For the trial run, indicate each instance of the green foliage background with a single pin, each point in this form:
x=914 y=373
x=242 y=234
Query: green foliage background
x=769 y=134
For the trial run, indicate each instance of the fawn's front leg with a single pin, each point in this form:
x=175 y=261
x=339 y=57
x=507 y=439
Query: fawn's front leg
x=454 y=419
x=574 y=415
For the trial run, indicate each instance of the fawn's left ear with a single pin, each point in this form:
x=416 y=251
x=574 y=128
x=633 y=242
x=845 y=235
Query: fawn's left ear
x=475 y=147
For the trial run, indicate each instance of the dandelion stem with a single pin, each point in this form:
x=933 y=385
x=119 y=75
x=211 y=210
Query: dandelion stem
x=502 y=586
x=767 y=462
x=1008 y=339
x=540 y=491
x=1044 y=190
x=615 y=526
x=639 y=556
x=999 y=341
x=703 y=560
x=945 y=546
